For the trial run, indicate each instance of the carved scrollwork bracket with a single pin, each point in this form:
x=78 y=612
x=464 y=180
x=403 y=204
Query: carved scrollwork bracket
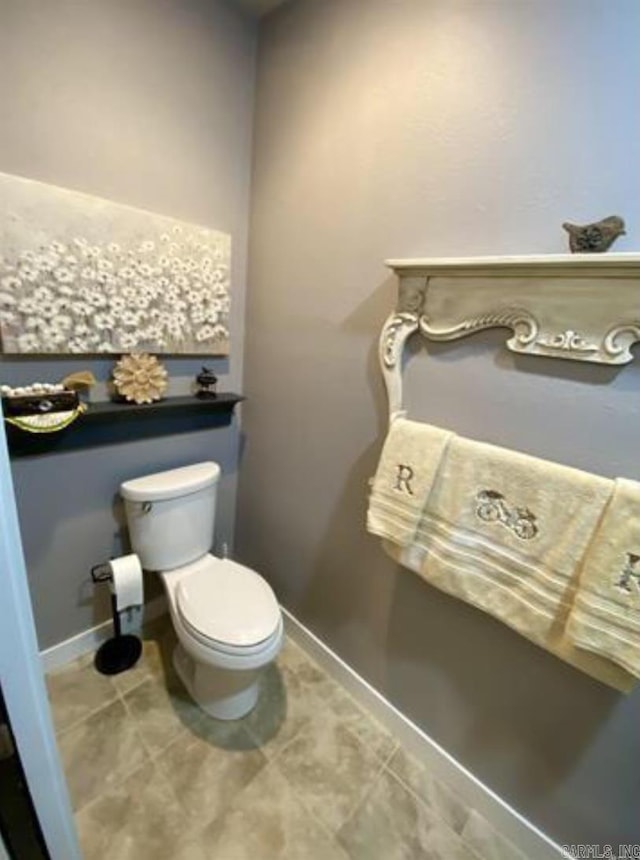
x=582 y=307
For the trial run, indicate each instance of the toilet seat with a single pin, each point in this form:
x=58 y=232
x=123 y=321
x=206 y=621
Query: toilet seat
x=227 y=606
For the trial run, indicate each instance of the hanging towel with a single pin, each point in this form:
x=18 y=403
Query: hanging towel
x=605 y=619
x=409 y=463
x=509 y=533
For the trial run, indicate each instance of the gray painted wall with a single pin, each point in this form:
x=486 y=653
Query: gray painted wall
x=427 y=128
x=151 y=104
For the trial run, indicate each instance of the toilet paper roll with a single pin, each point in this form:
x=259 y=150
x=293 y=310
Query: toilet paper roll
x=126 y=584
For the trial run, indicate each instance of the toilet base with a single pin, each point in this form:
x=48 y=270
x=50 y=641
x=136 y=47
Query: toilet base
x=221 y=693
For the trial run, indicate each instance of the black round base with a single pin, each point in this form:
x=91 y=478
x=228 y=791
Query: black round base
x=118 y=654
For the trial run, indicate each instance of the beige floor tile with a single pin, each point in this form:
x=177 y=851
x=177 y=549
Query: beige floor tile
x=329 y=768
x=161 y=712
x=139 y=819
x=208 y=770
x=268 y=823
x=155 y=662
x=479 y=835
x=391 y=824
x=99 y=752
x=76 y=691
x=362 y=725
x=437 y=794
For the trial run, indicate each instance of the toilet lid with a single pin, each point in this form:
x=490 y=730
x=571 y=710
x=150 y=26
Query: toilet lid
x=228 y=603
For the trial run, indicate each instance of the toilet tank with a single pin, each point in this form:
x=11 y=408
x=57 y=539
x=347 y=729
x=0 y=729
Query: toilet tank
x=171 y=515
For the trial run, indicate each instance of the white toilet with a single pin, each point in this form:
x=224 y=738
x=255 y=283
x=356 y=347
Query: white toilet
x=226 y=616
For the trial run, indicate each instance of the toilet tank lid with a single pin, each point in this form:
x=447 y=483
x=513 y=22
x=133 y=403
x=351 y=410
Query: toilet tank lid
x=171 y=484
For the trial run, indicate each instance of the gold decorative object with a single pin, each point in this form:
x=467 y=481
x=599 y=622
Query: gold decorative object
x=79 y=381
x=140 y=378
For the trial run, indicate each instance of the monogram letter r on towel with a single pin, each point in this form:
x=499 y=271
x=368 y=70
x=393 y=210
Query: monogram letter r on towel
x=404 y=475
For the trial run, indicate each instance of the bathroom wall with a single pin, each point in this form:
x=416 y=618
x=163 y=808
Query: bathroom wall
x=392 y=128
x=150 y=104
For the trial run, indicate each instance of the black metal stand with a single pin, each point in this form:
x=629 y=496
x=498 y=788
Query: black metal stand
x=122 y=651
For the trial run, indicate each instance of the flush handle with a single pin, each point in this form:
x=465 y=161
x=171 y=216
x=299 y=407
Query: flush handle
x=147 y=507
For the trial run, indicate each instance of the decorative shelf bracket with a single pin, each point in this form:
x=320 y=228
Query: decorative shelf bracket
x=582 y=307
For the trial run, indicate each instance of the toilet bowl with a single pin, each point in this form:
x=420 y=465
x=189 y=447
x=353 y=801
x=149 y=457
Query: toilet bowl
x=226 y=616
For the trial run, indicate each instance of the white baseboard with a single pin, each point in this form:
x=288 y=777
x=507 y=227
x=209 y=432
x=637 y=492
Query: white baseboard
x=522 y=833
x=91 y=639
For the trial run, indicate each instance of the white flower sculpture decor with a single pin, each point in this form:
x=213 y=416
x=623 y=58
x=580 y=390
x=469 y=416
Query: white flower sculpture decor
x=140 y=378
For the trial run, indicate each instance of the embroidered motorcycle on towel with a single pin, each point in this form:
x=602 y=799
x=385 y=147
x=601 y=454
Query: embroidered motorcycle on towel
x=492 y=507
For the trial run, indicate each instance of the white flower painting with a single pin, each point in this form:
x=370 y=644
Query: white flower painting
x=83 y=275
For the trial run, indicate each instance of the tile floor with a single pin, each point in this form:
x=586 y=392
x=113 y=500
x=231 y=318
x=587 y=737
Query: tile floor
x=306 y=776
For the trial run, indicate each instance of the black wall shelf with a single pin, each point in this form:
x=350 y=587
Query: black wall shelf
x=109 y=423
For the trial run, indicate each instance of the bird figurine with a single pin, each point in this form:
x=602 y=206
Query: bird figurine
x=594 y=238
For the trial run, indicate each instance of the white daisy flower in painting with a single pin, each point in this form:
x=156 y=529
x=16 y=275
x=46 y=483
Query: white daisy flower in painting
x=128 y=340
x=180 y=318
x=48 y=261
x=128 y=294
x=220 y=291
x=77 y=344
x=117 y=304
x=172 y=294
x=81 y=329
x=146 y=246
x=81 y=309
x=104 y=265
x=113 y=248
x=205 y=333
x=103 y=321
x=11 y=282
x=145 y=270
x=32 y=323
x=126 y=273
x=212 y=316
x=206 y=263
x=88 y=274
x=65 y=290
x=104 y=346
x=70 y=261
x=7 y=300
x=63 y=275
x=165 y=238
x=105 y=279
x=26 y=257
x=176 y=230
x=8 y=318
x=93 y=252
x=174 y=250
x=181 y=281
x=42 y=294
x=96 y=299
x=29 y=273
x=80 y=242
x=164 y=261
x=174 y=328
x=220 y=332
x=197 y=314
x=62 y=322
x=141 y=301
x=131 y=318
x=163 y=283
x=208 y=278
x=179 y=305
x=28 y=307
x=58 y=247
x=28 y=342
x=191 y=265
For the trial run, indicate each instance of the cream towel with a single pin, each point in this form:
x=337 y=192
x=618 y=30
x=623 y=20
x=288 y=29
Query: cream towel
x=408 y=465
x=605 y=619
x=508 y=533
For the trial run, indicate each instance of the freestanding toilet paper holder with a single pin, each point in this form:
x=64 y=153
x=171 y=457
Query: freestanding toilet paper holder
x=123 y=650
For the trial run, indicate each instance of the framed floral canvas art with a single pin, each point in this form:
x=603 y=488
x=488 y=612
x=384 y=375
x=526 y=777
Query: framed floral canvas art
x=83 y=275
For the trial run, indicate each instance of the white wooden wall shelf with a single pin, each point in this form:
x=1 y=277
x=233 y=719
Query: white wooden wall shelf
x=583 y=307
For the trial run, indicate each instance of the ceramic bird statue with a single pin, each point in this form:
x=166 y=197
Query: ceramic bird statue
x=597 y=237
